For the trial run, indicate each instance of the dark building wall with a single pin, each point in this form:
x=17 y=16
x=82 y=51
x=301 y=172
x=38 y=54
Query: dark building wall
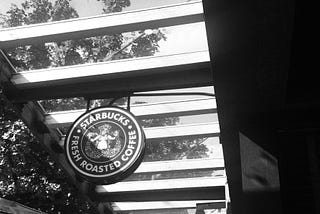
x=265 y=90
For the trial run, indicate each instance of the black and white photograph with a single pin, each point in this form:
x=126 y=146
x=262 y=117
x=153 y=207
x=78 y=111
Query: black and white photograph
x=158 y=107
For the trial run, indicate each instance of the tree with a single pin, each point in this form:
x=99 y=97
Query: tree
x=172 y=149
x=115 y=6
x=27 y=174
x=71 y=52
x=176 y=149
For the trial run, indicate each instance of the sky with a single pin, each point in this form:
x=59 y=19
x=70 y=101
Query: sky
x=183 y=38
x=94 y=7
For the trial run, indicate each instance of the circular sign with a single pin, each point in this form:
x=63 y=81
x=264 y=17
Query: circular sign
x=105 y=145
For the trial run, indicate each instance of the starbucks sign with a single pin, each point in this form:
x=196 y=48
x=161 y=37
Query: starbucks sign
x=105 y=145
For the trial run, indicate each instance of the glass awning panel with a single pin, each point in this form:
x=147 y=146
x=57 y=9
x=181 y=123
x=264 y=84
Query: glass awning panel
x=183 y=147
x=171 y=40
x=24 y=14
x=151 y=57
x=53 y=44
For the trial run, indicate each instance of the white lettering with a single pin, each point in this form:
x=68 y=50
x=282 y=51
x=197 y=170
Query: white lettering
x=83 y=163
x=116 y=117
x=117 y=164
x=77 y=157
x=95 y=168
x=125 y=123
x=92 y=119
x=100 y=168
x=132 y=142
x=98 y=116
x=89 y=166
x=124 y=158
x=128 y=152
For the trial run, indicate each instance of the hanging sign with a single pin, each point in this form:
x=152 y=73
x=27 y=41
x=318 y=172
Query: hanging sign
x=105 y=145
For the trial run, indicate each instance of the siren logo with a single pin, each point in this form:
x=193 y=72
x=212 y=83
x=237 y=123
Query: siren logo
x=105 y=145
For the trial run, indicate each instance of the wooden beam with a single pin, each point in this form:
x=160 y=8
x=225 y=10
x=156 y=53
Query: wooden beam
x=150 y=18
x=198 y=193
x=113 y=78
x=111 y=69
x=163 y=166
x=206 y=89
x=155 y=205
x=211 y=205
x=32 y=115
x=163 y=190
x=201 y=130
x=186 y=107
x=161 y=184
x=6 y=69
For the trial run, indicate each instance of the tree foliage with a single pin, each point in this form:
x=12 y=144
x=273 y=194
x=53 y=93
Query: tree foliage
x=176 y=149
x=115 y=6
x=27 y=174
x=71 y=52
